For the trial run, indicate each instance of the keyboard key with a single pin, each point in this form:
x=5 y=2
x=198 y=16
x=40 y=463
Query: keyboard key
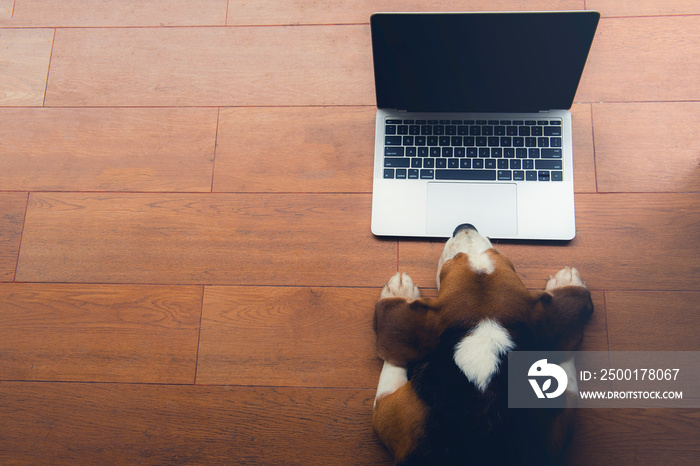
x=423 y=152
x=394 y=122
x=408 y=140
x=388 y=173
x=531 y=176
x=536 y=131
x=450 y=130
x=484 y=152
x=481 y=175
x=543 y=176
x=542 y=142
x=463 y=130
x=460 y=152
x=439 y=130
x=414 y=130
x=426 y=130
x=429 y=163
x=440 y=163
x=432 y=140
x=548 y=164
x=392 y=140
x=533 y=153
x=555 y=142
x=395 y=162
x=521 y=153
x=401 y=174
x=502 y=164
x=499 y=131
x=416 y=163
x=551 y=153
x=518 y=175
x=497 y=152
x=530 y=122
x=557 y=176
x=410 y=152
x=504 y=175
x=393 y=151
x=524 y=131
x=528 y=164
x=435 y=152
x=456 y=141
x=413 y=174
x=515 y=164
x=419 y=140
x=453 y=163
x=490 y=163
x=402 y=129
x=552 y=130
x=480 y=141
x=478 y=163
x=390 y=129
x=427 y=174
x=494 y=141
x=447 y=151
x=444 y=140
x=512 y=131
x=472 y=152
x=465 y=163
x=530 y=142
x=487 y=130
x=508 y=152
x=475 y=130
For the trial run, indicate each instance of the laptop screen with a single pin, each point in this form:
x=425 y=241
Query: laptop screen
x=480 y=62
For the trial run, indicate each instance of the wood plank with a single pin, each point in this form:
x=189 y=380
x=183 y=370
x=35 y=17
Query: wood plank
x=106 y=13
x=303 y=149
x=643 y=59
x=154 y=424
x=653 y=320
x=584 y=155
x=630 y=138
x=313 y=337
x=243 y=12
x=643 y=7
x=107 y=149
x=12 y=210
x=293 y=239
x=635 y=436
x=6 y=7
x=25 y=58
x=624 y=242
x=319 y=65
x=99 y=333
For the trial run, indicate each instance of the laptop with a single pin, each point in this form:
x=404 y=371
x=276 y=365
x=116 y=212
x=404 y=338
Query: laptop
x=473 y=122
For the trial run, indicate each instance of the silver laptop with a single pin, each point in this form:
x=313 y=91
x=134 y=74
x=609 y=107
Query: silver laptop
x=473 y=123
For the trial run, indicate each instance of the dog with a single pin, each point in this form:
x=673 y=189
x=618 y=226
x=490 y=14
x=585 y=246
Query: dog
x=442 y=392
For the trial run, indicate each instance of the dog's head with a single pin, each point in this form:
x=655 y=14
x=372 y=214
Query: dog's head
x=477 y=287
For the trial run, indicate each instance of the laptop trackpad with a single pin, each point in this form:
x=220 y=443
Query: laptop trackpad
x=491 y=208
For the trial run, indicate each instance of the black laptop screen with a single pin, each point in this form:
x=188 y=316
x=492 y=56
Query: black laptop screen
x=480 y=62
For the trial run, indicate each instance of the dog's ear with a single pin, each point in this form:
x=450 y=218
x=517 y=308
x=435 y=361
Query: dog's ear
x=566 y=311
x=405 y=330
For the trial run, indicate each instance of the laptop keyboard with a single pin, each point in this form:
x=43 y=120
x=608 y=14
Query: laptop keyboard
x=483 y=150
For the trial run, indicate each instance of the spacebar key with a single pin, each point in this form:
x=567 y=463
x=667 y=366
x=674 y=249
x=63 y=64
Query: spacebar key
x=465 y=174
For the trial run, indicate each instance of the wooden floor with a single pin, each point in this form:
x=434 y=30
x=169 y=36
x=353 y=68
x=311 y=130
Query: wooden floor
x=187 y=273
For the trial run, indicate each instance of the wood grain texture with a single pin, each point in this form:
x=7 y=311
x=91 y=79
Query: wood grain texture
x=24 y=65
x=643 y=59
x=12 y=209
x=313 y=337
x=653 y=320
x=623 y=242
x=209 y=239
x=99 y=333
x=96 y=13
x=157 y=424
x=584 y=155
x=315 y=65
x=643 y=7
x=107 y=149
x=647 y=147
x=311 y=12
x=636 y=436
x=295 y=150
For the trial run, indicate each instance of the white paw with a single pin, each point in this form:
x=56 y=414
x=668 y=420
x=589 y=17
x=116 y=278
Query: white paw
x=568 y=276
x=400 y=286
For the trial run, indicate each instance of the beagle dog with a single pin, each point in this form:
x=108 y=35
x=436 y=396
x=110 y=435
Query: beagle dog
x=442 y=393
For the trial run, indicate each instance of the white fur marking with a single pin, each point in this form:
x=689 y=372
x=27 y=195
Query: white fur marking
x=391 y=379
x=474 y=245
x=479 y=353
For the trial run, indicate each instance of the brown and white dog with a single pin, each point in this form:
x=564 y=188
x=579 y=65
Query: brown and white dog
x=442 y=394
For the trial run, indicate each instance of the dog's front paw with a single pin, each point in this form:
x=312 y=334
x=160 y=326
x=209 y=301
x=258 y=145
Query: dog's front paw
x=568 y=276
x=400 y=286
